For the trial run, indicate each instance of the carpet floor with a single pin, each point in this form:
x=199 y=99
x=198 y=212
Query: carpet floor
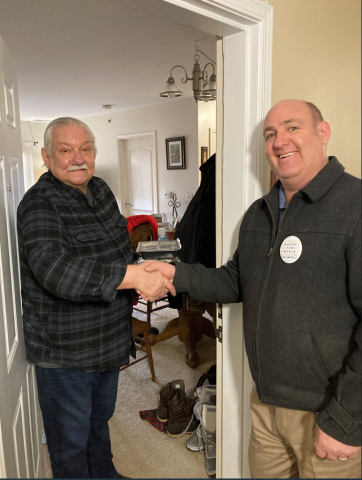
x=139 y=450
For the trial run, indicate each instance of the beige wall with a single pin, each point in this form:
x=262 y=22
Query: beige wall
x=317 y=57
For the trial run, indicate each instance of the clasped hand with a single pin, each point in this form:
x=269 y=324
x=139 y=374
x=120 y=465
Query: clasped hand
x=152 y=280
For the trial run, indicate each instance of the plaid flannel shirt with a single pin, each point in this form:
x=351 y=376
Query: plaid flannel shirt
x=72 y=258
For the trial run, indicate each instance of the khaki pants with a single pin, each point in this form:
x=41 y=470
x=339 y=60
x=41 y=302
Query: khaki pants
x=282 y=446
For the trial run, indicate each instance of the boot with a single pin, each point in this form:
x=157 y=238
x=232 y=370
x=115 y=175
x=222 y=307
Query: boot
x=208 y=430
x=204 y=395
x=181 y=418
x=167 y=393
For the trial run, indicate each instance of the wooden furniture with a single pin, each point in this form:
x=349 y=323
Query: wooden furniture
x=190 y=325
x=139 y=327
x=142 y=233
x=150 y=308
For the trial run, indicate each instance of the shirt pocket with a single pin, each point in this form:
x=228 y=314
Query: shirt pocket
x=88 y=237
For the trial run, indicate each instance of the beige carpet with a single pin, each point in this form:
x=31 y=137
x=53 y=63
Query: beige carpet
x=140 y=451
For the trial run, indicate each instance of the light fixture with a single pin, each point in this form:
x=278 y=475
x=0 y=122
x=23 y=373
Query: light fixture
x=203 y=87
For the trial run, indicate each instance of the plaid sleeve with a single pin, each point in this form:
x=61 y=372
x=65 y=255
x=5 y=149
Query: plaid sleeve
x=47 y=250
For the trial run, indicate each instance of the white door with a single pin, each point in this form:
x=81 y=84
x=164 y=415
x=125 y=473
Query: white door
x=20 y=421
x=137 y=161
x=241 y=178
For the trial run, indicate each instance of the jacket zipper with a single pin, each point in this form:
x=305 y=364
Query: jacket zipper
x=262 y=285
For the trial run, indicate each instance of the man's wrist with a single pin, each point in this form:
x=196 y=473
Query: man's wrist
x=129 y=280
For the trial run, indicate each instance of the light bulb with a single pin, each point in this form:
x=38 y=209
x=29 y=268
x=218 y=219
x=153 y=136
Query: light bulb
x=171 y=95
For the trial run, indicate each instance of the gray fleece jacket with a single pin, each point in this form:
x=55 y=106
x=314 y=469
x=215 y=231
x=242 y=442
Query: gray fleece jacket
x=302 y=320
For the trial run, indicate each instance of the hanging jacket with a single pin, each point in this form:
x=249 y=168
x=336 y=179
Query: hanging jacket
x=197 y=230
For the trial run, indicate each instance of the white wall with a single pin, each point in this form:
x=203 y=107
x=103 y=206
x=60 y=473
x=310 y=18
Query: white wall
x=176 y=118
x=206 y=120
x=34 y=132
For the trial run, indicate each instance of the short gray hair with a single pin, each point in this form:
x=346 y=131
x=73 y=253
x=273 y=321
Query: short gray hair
x=317 y=117
x=64 y=122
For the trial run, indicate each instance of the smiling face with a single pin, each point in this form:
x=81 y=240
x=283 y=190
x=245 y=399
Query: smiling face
x=72 y=157
x=294 y=147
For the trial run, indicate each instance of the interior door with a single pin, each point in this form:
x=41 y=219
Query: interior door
x=137 y=157
x=241 y=178
x=20 y=420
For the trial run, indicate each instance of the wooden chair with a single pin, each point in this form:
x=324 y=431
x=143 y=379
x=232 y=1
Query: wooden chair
x=139 y=327
x=142 y=233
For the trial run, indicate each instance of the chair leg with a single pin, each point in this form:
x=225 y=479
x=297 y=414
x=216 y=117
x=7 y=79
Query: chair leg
x=149 y=310
x=149 y=355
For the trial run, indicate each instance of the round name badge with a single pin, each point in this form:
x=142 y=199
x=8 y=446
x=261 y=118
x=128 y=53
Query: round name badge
x=291 y=249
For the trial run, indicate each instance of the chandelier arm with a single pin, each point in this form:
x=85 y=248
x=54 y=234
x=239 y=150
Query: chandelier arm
x=211 y=60
x=204 y=70
x=183 y=80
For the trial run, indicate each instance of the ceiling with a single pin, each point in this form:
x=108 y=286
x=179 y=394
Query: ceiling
x=73 y=56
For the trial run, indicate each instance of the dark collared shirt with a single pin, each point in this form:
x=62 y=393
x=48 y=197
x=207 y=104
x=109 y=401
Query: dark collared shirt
x=282 y=202
x=73 y=257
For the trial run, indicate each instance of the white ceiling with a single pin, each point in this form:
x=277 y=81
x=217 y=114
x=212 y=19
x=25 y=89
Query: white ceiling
x=73 y=56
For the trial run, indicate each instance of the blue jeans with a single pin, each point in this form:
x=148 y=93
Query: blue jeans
x=76 y=407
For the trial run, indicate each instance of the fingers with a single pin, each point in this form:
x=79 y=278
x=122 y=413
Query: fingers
x=153 y=266
x=153 y=285
x=170 y=287
x=321 y=453
x=353 y=455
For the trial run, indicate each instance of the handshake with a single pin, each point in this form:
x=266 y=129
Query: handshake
x=151 y=279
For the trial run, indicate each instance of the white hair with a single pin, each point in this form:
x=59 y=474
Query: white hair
x=63 y=122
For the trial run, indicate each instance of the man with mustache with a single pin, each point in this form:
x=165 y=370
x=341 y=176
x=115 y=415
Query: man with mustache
x=297 y=269
x=77 y=276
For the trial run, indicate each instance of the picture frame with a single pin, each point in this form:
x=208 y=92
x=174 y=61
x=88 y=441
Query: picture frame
x=175 y=153
x=204 y=154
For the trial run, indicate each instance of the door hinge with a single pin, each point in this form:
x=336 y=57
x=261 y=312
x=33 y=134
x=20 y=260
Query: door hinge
x=218 y=333
x=218 y=330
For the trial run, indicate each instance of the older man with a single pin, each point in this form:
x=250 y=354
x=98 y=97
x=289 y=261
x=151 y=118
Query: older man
x=78 y=276
x=297 y=269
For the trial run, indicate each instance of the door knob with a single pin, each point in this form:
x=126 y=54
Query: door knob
x=128 y=204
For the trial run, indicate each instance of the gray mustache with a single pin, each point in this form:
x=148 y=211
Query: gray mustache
x=76 y=167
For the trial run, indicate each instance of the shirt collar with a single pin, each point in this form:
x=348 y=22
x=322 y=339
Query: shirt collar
x=282 y=198
x=316 y=188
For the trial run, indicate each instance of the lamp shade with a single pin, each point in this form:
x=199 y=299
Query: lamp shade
x=170 y=89
x=210 y=87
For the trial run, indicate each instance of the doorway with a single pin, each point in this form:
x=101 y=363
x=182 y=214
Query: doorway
x=137 y=173
x=244 y=28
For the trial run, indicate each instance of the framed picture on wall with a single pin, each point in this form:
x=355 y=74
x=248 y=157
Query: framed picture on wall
x=204 y=154
x=175 y=153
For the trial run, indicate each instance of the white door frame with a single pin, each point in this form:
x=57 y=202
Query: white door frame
x=242 y=176
x=122 y=167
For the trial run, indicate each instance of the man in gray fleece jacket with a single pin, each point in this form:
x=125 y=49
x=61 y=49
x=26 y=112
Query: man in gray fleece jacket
x=297 y=269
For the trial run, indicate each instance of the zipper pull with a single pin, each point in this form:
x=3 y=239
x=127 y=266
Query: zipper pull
x=270 y=251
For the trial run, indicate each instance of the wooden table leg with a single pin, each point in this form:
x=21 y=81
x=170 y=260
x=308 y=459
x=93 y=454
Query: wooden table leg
x=190 y=326
x=172 y=329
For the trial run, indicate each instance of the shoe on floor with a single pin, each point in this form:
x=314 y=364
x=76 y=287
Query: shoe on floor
x=167 y=393
x=208 y=429
x=181 y=418
x=196 y=443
